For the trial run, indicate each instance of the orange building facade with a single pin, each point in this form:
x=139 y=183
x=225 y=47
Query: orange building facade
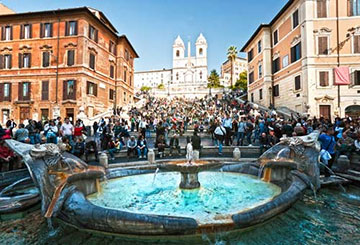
x=56 y=63
x=291 y=60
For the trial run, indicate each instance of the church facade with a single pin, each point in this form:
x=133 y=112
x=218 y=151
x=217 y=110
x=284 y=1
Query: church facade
x=187 y=77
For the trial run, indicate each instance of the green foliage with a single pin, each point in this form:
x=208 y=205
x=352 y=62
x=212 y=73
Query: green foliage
x=214 y=80
x=161 y=86
x=145 y=89
x=241 y=83
x=232 y=53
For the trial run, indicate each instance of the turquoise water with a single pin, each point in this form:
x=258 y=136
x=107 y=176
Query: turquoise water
x=220 y=195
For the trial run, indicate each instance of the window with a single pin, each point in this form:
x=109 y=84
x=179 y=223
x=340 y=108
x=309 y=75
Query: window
x=45 y=90
x=285 y=61
x=93 y=33
x=91 y=88
x=251 y=77
x=321 y=8
x=356 y=78
x=177 y=76
x=112 y=48
x=25 y=60
x=24 y=91
x=69 y=90
x=250 y=55
x=111 y=94
x=5 y=61
x=46 y=59
x=71 y=28
x=70 y=57
x=126 y=54
x=260 y=71
x=353 y=7
x=46 y=30
x=26 y=31
x=124 y=96
x=276 y=37
x=259 y=47
x=92 y=61
x=297 y=83
x=5 y=92
x=295 y=18
x=252 y=97
x=296 y=52
x=111 y=71
x=324 y=78
x=357 y=44
x=201 y=52
x=125 y=75
x=323 y=47
x=201 y=75
x=130 y=79
x=276 y=65
x=276 y=91
x=6 y=33
x=260 y=94
x=177 y=53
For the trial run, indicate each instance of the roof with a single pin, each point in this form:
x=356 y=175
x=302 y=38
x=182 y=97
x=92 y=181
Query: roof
x=278 y=15
x=240 y=58
x=151 y=71
x=127 y=40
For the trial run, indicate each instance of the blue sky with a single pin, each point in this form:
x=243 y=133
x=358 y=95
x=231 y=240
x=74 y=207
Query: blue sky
x=153 y=25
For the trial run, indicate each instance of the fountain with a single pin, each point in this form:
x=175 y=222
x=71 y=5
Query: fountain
x=185 y=199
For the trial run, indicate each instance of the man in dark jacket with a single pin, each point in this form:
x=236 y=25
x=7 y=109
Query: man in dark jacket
x=196 y=142
x=174 y=144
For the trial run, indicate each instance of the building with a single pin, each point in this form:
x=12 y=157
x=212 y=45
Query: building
x=291 y=60
x=239 y=66
x=188 y=75
x=58 y=62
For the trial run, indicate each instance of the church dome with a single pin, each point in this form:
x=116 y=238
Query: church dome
x=201 y=39
x=179 y=42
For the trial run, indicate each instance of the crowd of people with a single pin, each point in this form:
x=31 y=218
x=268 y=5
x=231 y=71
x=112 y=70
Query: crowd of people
x=225 y=119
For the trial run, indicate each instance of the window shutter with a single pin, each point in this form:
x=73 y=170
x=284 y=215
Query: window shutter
x=10 y=62
x=42 y=26
x=70 y=57
x=45 y=90
x=89 y=32
x=1 y=61
x=51 y=30
x=321 y=8
x=349 y=12
x=76 y=27
x=357 y=44
x=1 y=92
x=11 y=33
x=87 y=87
x=95 y=89
x=74 y=93
x=20 y=91
x=22 y=32
x=66 y=28
x=29 y=60
x=28 y=97
x=3 y=33
x=20 y=60
x=96 y=35
x=30 y=34
x=10 y=87
x=65 y=90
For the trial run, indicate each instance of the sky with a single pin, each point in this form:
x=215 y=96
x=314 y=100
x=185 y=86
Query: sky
x=153 y=25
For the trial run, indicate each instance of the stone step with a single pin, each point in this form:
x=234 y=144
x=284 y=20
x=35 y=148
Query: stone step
x=354 y=172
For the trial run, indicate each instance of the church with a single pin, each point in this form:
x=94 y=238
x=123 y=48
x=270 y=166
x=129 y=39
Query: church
x=187 y=77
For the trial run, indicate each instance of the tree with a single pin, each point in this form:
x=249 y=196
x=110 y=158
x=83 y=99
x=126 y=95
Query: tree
x=145 y=88
x=241 y=83
x=214 y=80
x=161 y=86
x=232 y=55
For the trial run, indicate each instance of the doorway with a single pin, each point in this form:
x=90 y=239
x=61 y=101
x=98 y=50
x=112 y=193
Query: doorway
x=70 y=114
x=325 y=111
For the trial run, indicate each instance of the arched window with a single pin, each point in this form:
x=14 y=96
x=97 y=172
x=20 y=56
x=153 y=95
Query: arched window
x=200 y=75
x=177 y=53
x=200 y=51
x=177 y=76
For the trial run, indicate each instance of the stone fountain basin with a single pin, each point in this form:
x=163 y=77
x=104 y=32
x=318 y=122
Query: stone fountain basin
x=82 y=214
x=196 y=167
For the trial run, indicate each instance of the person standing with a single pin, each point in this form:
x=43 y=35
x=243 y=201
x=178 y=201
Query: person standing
x=67 y=131
x=22 y=134
x=241 y=132
x=220 y=133
x=327 y=153
x=227 y=124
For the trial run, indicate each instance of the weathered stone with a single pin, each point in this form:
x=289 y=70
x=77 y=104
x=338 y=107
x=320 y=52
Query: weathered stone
x=237 y=154
x=196 y=155
x=342 y=164
x=151 y=156
x=104 y=160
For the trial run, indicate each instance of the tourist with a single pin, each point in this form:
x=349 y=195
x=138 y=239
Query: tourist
x=357 y=144
x=189 y=150
x=227 y=124
x=241 y=132
x=174 y=144
x=142 y=127
x=7 y=157
x=142 y=147
x=78 y=130
x=196 y=142
x=264 y=143
x=90 y=148
x=344 y=146
x=33 y=132
x=327 y=153
x=113 y=147
x=79 y=147
x=220 y=133
x=22 y=134
x=51 y=132
x=160 y=145
x=131 y=146
x=299 y=130
x=67 y=131
x=249 y=127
